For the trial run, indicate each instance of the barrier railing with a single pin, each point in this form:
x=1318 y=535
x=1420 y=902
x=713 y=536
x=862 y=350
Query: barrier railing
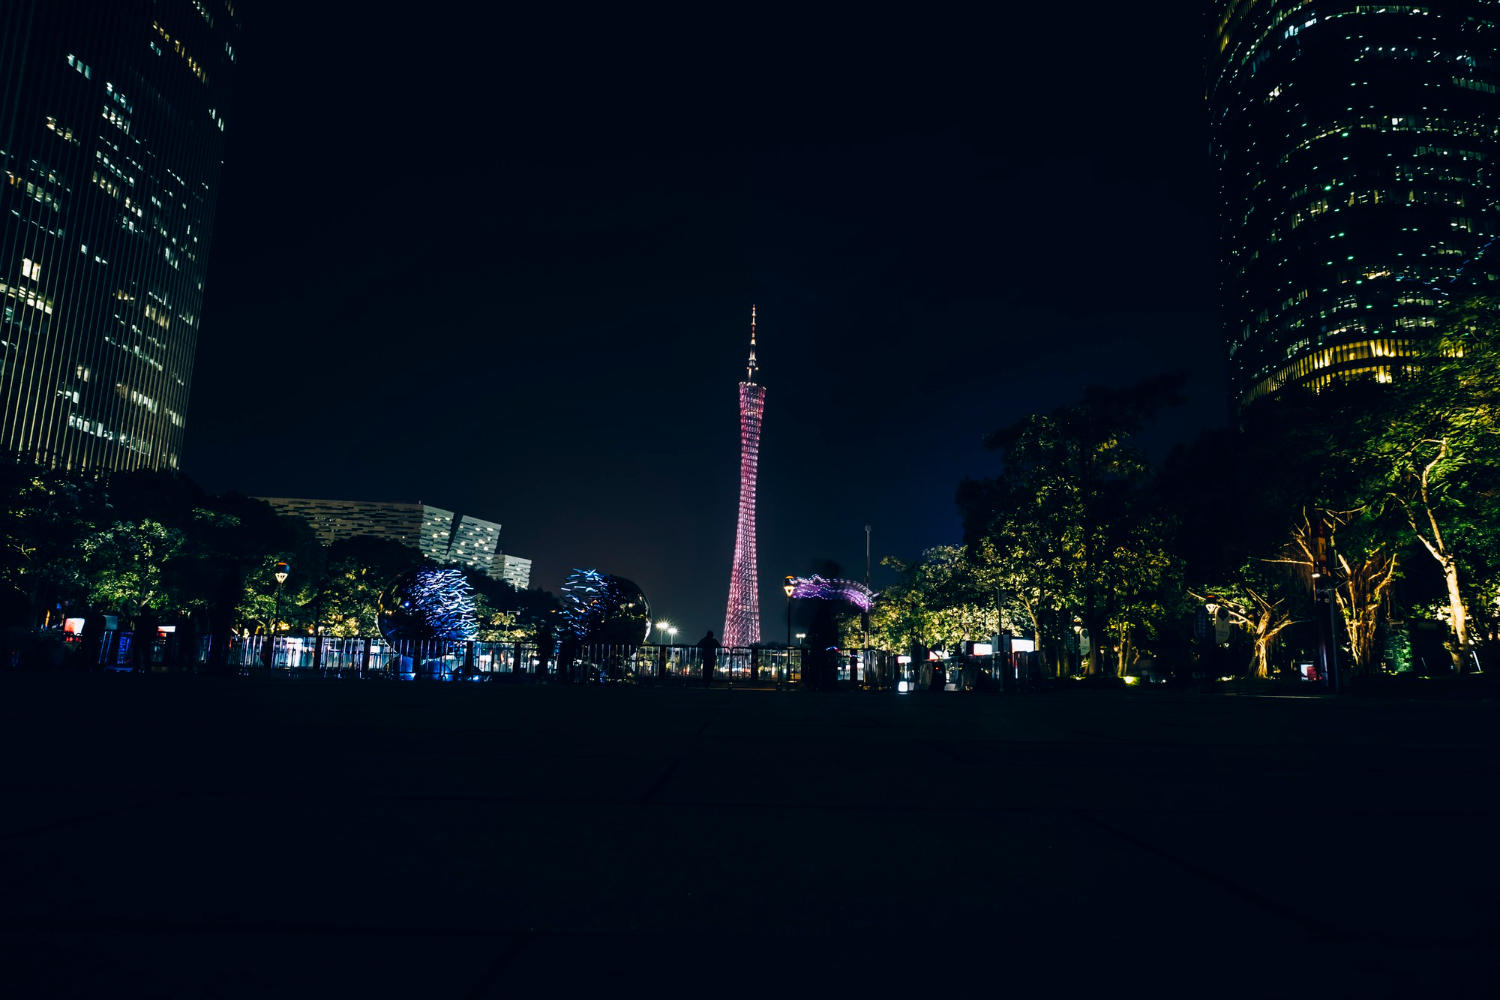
x=648 y=664
x=659 y=664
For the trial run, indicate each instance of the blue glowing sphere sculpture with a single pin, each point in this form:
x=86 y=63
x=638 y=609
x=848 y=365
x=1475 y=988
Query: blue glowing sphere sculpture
x=428 y=603
x=604 y=609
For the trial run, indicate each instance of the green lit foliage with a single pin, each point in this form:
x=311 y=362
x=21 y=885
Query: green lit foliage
x=939 y=602
x=1017 y=555
x=358 y=570
x=505 y=614
x=1433 y=458
x=1249 y=500
x=496 y=610
x=1071 y=518
x=123 y=563
x=46 y=519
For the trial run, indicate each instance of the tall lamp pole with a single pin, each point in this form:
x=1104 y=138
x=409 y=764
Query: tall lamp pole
x=864 y=616
x=787 y=589
x=282 y=570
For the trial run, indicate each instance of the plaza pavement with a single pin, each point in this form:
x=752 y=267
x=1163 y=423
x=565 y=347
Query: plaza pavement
x=189 y=836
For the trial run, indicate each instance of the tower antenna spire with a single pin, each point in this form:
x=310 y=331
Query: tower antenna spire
x=752 y=364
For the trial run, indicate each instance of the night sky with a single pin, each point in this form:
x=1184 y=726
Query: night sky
x=505 y=266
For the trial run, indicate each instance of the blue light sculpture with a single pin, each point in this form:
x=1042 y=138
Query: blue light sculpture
x=428 y=603
x=605 y=609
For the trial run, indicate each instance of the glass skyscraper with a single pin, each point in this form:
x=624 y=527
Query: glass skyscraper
x=1356 y=146
x=112 y=125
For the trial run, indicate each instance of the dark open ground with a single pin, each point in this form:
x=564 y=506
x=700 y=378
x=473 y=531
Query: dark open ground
x=221 y=837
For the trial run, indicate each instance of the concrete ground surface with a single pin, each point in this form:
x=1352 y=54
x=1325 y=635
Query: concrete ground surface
x=191 y=836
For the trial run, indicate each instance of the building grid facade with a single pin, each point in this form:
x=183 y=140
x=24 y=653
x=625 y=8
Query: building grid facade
x=440 y=535
x=1355 y=145
x=112 y=125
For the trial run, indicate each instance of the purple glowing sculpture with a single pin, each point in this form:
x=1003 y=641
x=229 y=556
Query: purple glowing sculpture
x=816 y=586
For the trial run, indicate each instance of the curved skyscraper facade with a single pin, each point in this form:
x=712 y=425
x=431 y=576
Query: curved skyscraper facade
x=1355 y=145
x=112 y=125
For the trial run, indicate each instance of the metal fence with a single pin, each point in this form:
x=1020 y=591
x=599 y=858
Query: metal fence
x=410 y=659
x=648 y=664
x=669 y=665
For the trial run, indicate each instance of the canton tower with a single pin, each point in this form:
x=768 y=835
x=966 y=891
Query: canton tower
x=742 y=619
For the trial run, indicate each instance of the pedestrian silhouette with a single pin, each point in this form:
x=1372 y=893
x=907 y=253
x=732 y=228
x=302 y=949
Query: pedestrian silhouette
x=709 y=647
x=546 y=640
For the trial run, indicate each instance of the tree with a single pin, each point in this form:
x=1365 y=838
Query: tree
x=1234 y=493
x=1015 y=555
x=123 y=565
x=358 y=570
x=47 y=518
x=506 y=614
x=1434 y=458
x=939 y=601
x=1314 y=450
x=1073 y=491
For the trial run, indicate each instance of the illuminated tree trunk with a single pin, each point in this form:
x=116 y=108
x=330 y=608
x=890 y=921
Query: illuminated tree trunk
x=1460 y=617
x=1263 y=645
x=1361 y=586
x=1267 y=620
x=1437 y=547
x=1032 y=612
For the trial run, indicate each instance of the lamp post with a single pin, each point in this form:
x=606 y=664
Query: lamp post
x=672 y=631
x=282 y=570
x=787 y=589
x=662 y=627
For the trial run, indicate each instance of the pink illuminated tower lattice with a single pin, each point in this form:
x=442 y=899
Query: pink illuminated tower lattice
x=742 y=620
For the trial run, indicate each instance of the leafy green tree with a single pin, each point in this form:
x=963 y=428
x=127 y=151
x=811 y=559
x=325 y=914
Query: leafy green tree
x=358 y=571
x=1249 y=499
x=497 y=609
x=1235 y=494
x=1434 y=455
x=223 y=572
x=1018 y=556
x=939 y=601
x=1073 y=490
x=47 y=518
x=123 y=565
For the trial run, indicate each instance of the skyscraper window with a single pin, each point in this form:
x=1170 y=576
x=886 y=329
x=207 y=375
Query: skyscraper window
x=118 y=190
x=1346 y=135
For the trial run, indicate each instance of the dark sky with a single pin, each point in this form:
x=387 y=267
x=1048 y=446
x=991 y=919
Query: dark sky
x=505 y=266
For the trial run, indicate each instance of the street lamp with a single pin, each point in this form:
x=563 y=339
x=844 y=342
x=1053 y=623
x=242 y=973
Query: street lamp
x=660 y=628
x=672 y=631
x=282 y=570
x=787 y=589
